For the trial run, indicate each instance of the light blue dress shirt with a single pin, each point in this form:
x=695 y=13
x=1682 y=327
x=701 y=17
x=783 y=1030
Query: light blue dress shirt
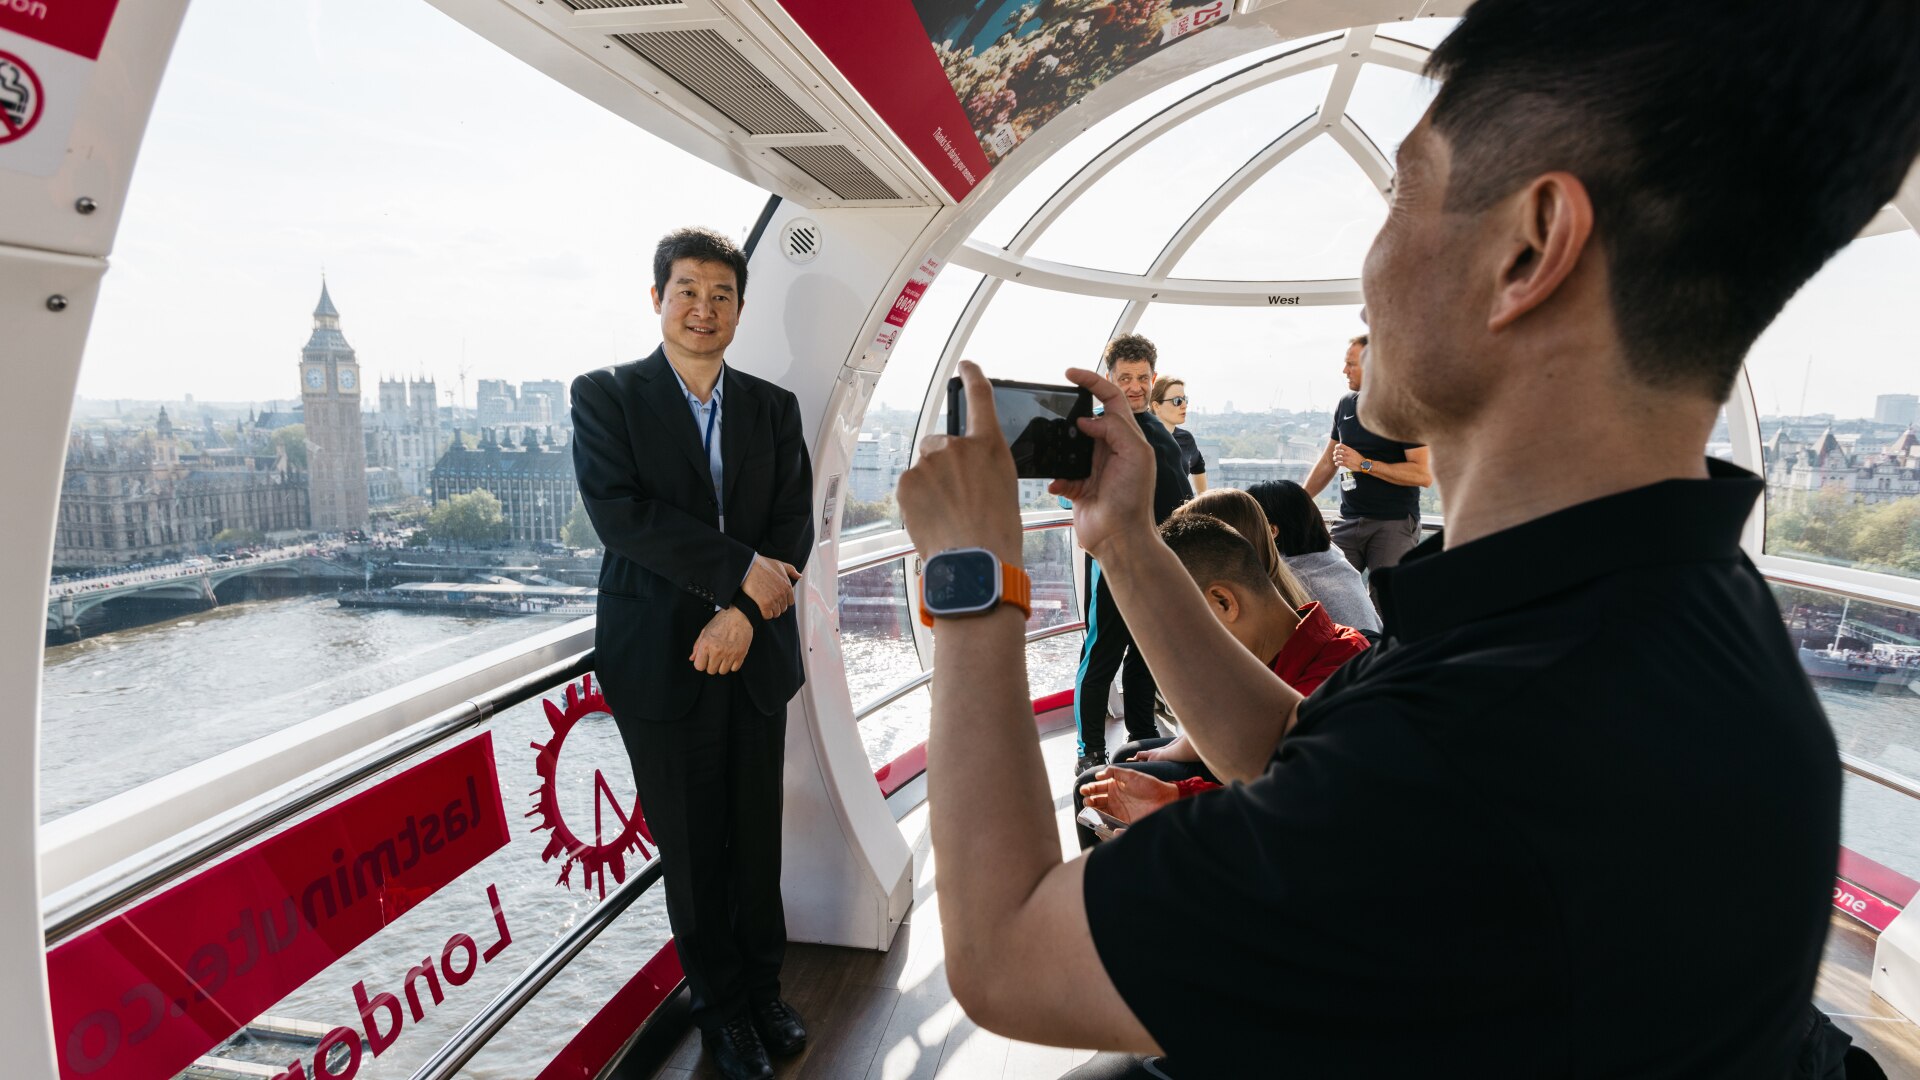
x=707 y=421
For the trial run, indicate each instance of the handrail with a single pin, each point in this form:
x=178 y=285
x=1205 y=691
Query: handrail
x=888 y=697
x=496 y=1014
x=1870 y=586
x=1867 y=770
x=1028 y=523
x=67 y=916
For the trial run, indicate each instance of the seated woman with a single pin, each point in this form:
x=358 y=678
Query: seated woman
x=1302 y=646
x=1301 y=535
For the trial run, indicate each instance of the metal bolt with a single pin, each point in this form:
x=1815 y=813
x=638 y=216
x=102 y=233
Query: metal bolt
x=56 y=302
x=85 y=204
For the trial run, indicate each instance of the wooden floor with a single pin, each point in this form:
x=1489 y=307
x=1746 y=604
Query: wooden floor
x=890 y=1016
x=1844 y=993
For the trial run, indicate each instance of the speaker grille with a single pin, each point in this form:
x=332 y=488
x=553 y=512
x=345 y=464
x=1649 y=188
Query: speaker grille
x=839 y=172
x=704 y=63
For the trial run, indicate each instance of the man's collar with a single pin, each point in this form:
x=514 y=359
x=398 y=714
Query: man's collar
x=719 y=381
x=1673 y=521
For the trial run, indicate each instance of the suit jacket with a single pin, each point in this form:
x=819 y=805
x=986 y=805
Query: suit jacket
x=644 y=480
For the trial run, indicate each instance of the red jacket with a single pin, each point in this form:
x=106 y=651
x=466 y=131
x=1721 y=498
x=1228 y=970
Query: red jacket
x=1315 y=651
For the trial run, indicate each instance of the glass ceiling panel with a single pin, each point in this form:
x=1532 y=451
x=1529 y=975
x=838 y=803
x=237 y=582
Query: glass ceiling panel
x=1429 y=31
x=1004 y=220
x=1254 y=359
x=1313 y=216
x=1387 y=103
x=1127 y=218
x=1036 y=334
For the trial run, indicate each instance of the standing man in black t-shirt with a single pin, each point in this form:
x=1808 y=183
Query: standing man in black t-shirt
x=1108 y=646
x=1440 y=864
x=1380 y=480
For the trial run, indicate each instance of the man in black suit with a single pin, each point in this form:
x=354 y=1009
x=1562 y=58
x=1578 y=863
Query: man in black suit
x=697 y=478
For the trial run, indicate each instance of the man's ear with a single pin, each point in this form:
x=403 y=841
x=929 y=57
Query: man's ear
x=1225 y=604
x=655 y=293
x=1550 y=222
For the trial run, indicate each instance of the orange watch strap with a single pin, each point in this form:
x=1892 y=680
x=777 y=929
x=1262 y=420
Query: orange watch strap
x=1016 y=589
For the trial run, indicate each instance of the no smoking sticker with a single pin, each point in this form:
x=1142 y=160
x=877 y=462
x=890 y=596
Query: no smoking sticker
x=22 y=99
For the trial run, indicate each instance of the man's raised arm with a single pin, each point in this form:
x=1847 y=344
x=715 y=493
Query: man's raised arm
x=1020 y=955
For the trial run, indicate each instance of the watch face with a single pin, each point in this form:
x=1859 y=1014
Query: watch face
x=346 y=378
x=316 y=378
x=959 y=582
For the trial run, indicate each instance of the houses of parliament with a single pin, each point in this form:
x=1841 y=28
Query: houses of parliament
x=155 y=492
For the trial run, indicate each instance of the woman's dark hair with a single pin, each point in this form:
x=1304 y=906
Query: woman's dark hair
x=1302 y=531
x=700 y=245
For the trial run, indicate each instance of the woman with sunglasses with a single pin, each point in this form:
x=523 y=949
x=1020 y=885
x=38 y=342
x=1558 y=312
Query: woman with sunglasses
x=1169 y=403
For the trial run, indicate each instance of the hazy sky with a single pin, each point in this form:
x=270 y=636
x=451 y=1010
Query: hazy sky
x=465 y=206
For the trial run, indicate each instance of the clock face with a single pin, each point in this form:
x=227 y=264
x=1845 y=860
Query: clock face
x=346 y=378
x=316 y=378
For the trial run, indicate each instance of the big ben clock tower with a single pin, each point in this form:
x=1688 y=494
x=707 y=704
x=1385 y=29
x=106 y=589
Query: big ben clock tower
x=336 y=451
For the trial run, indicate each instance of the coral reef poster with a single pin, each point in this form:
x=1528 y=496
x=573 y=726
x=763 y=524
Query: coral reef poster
x=1016 y=64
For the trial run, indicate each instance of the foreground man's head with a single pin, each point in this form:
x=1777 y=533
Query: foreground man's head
x=1642 y=185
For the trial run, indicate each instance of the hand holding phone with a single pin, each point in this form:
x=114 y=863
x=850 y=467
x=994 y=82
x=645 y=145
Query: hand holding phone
x=1039 y=422
x=1104 y=826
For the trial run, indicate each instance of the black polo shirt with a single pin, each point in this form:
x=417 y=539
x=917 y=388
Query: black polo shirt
x=1191 y=459
x=1170 y=485
x=1371 y=496
x=1577 y=816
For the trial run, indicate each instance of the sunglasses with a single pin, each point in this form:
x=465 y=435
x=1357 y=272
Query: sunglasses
x=1178 y=401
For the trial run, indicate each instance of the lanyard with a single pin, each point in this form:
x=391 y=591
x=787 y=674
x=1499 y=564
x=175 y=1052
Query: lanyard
x=706 y=445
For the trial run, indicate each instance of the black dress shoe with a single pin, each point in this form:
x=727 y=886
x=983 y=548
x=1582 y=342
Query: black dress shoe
x=736 y=1051
x=781 y=1031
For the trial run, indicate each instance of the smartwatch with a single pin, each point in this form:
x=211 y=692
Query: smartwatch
x=971 y=581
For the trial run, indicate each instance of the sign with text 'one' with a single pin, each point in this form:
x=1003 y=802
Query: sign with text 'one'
x=47 y=53
x=145 y=993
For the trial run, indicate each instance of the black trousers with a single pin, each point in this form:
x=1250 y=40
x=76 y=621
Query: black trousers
x=710 y=786
x=1171 y=771
x=1108 y=648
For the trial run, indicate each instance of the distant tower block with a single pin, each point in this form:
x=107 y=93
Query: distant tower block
x=336 y=450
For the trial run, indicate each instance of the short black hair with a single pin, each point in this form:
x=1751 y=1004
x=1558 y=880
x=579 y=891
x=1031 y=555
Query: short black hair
x=1291 y=511
x=1133 y=347
x=701 y=245
x=1212 y=551
x=1729 y=148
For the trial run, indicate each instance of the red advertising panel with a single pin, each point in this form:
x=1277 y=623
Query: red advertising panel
x=78 y=26
x=146 y=993
x=963 y=82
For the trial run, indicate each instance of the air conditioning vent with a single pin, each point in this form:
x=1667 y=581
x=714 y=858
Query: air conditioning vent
x=800 y=240
x=704 y=63
x=839 y=172
x=583 y=5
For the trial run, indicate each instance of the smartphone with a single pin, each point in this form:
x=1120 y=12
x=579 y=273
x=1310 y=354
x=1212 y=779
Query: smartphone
x=1104 y=826
x=1040 y=424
